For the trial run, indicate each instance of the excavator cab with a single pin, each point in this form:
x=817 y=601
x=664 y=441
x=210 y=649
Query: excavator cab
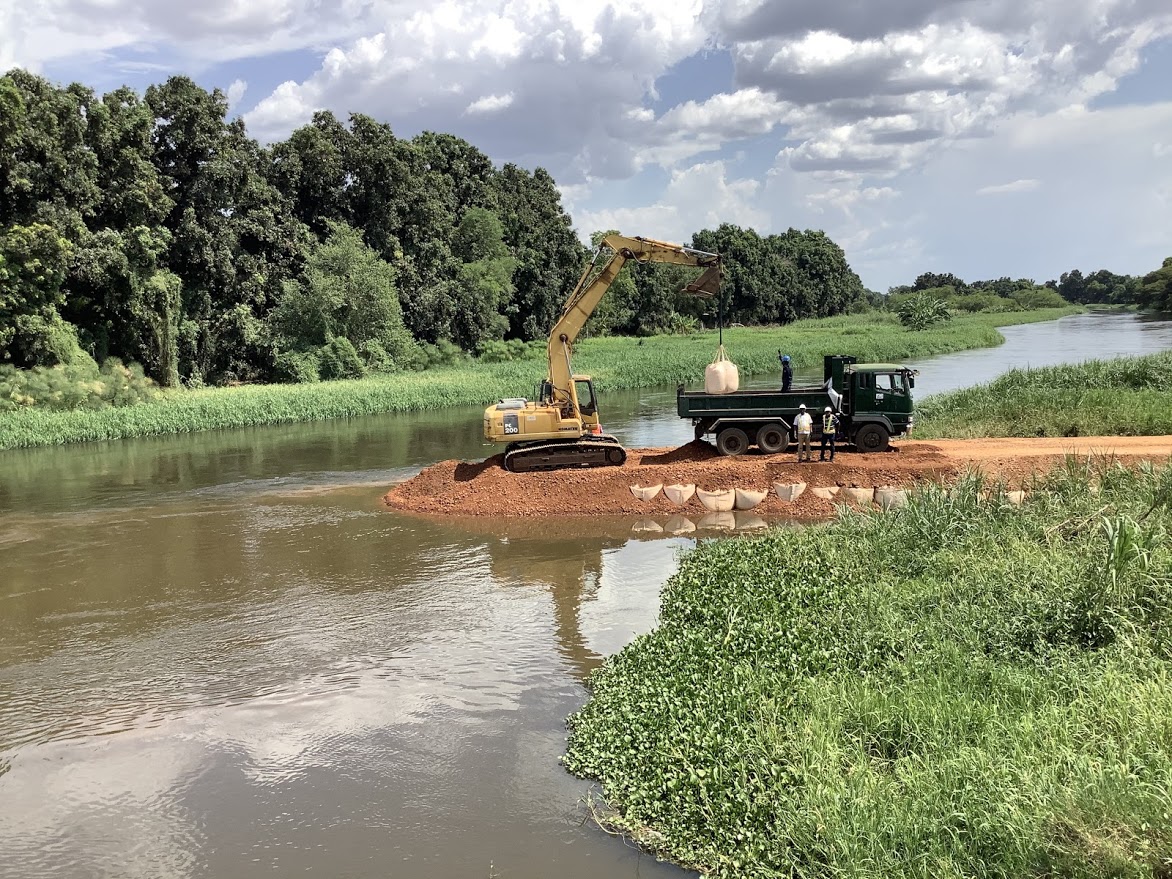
x=587 y=404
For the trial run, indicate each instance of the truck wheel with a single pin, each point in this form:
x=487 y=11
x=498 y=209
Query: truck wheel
x=732 y=441
x=772 y=438
x=872 y=438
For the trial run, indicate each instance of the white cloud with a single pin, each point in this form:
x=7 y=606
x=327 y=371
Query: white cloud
x=235 y=92
x=576 y=71
x=698 y=197
x=1025 y=185
x=860 y=102
x=490 y=103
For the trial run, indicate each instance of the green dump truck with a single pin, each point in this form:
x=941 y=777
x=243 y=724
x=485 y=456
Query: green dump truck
x=873 y=402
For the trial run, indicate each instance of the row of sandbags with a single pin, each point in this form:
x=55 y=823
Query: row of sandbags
x=719 y=501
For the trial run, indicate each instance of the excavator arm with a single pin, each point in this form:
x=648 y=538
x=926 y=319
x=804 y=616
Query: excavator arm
x=555 y=431
x=594 y=283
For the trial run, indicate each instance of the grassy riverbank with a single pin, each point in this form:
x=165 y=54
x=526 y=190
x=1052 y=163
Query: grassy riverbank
x=1126 y=396
x=886 y=697
x=614 y=362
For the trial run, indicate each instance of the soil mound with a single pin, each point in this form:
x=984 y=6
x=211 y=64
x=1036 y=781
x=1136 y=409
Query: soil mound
x=485 y=488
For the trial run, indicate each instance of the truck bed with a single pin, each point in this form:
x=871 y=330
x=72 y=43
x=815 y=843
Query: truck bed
x=764 y=403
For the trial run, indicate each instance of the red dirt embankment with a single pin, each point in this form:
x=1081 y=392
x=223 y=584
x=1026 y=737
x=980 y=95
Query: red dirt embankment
x=483 y=488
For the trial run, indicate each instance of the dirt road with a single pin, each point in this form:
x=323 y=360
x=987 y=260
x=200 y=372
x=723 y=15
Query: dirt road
x=483 y=488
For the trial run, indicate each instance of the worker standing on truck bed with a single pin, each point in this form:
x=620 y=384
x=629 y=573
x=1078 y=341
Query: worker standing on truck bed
x=787 y=371
x=804 y=425
x=829 y=429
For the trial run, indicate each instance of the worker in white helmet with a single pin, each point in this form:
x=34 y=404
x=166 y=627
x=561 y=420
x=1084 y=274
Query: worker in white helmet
x=804 y=425
x=829 y=430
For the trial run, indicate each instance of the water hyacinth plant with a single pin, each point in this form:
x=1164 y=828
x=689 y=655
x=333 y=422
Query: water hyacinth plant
x=885 y=697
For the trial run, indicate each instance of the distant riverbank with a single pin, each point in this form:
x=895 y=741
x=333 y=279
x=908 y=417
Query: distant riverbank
x=615 y=363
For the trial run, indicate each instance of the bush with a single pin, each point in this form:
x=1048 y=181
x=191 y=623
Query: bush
x=77 y=385
x=339 y=359
x=921 y=311
x=988 y=302
x=375 y=357
x=298 y=366
x=442 y=353
x=1037 y=297
x=504 y=352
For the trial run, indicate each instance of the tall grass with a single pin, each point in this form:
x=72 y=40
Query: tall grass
x=885 y=697
x=1130 y=396
x=615 y=363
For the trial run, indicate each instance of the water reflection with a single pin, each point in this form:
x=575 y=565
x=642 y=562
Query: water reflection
x=219 y=656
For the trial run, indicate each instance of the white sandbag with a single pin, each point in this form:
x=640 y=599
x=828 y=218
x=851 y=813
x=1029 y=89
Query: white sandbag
x=646 y=493
x=679 y=494
x=719 y=501
x=721 y=375
x=746 y=499
x=789 y=491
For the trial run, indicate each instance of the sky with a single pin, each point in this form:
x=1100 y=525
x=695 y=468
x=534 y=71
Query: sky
x=986 y=138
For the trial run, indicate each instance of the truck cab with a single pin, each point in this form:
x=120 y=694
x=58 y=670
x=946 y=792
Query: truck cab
x=878 y=394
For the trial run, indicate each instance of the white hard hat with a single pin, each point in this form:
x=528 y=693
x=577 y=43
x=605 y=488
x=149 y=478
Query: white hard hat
x=802 y=406
x=828 y=409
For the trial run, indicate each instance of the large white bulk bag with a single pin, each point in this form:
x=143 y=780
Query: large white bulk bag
x=721 y=375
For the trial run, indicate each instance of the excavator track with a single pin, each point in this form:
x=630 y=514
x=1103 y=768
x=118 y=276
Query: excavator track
x=597 y=451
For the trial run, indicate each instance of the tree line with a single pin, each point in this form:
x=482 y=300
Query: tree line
x=1151 y=291
x=151 y=228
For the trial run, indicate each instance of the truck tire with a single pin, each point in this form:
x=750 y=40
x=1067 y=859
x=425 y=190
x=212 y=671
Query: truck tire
x=732 y=441
x=772 y=438
x=872 y=438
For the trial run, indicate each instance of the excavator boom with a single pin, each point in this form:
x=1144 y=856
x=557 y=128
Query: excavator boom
x=561 y=429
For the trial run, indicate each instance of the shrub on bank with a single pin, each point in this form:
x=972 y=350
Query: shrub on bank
x=885 y=697
x=1125 y=396
x=77 y=385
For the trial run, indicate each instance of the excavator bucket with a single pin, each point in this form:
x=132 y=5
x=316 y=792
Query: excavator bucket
x=707 y=285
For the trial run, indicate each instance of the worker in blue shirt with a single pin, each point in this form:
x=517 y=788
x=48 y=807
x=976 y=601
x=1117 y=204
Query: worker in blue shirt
x=787 y=371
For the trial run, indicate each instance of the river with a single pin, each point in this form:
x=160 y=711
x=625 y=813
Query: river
x=220 y=657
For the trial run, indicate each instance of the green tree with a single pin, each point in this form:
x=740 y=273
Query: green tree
x=347 y=292
x=125 y=304
x=485 y=281
x=616 y=311
x=1156 y=289
x=33 y=264
x=312 y=168
x=540 y=236
x=47 y=169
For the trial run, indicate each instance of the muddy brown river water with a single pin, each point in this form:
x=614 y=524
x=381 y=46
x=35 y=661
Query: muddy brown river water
x=221 y=657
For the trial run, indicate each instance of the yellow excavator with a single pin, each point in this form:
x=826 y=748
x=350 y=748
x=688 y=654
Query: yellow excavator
x=561 y=428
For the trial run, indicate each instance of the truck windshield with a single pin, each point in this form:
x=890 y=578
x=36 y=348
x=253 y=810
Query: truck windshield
x=890 y=383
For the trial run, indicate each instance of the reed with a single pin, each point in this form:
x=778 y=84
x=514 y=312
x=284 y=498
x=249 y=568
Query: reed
x=1125 y=396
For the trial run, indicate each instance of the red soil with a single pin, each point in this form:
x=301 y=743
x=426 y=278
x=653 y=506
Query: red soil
x=484 y=488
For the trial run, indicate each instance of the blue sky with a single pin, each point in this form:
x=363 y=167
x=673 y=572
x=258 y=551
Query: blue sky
x=981 y=137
